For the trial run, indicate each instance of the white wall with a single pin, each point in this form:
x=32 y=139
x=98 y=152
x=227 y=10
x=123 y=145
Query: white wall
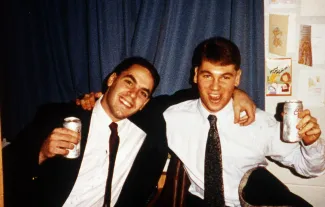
x=312 y=190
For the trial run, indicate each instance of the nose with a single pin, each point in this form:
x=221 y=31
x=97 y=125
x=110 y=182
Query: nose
x=132 y=93
x=215 y=85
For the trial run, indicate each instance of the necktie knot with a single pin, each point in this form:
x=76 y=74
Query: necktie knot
x=213 y=120
x=114 y=139
x=113 y=127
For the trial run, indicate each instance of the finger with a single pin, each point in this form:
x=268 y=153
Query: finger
x=63 y=145
x=92 y=101
x=314 y=131
x=303 y=113
x=306 y=128
x=312 y=119
x=236 y=114
x=87 y=104
x=250 y=118
x=82 y=103
x=243 y=118
x=59 y=151
x=311 y=136
x=63 y=137
x=63 y=134
x=98 y=94
x=251 y=115
x=51 y=150
x=303 y=121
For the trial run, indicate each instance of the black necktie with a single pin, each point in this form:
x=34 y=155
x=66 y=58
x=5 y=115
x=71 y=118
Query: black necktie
x=113 y=146
x=213 y=182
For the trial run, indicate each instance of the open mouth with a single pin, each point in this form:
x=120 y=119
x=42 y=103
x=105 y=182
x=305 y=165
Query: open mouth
x=214 y=98
x=125 y=102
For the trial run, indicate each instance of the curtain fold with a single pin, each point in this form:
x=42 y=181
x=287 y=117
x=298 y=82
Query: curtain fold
x=58 y=50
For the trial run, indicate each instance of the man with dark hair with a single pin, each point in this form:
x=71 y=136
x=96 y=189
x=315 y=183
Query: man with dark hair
x=214 y=150
x=38 y=174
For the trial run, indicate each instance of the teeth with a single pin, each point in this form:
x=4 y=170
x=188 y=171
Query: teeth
x=126 y=103
x=214 y=96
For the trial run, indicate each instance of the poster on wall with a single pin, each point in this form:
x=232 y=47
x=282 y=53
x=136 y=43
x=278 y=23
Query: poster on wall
x=278 y=32
x=278 y=77
x=305 y=56
x=282 y=3
x=312 y=87
x=318 y=43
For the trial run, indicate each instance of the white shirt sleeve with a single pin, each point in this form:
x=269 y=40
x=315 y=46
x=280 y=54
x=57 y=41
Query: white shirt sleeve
x=306 y=160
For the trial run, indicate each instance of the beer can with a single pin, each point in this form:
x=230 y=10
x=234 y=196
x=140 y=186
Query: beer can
x=290 y=120
x=73 y=124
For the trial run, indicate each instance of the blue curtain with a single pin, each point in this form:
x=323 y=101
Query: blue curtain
x=58 y=50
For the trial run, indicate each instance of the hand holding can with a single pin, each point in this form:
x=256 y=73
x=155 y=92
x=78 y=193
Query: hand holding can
x=73 y=124
x=309 y=129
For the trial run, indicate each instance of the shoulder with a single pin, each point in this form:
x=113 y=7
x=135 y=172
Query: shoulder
x=264 y=122
x=59 y=108
x=263 y=116
x=164 y=101
x=184 y=110
x=53 y=112
x=186 y=107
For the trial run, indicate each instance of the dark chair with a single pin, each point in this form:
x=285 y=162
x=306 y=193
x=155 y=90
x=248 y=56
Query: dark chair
x=259 y=187
x=176 y=185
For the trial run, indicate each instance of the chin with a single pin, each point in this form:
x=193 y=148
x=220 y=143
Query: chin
x=216 y=107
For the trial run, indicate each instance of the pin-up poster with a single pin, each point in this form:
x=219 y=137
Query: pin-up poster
x=278 y=72
x=312 y=87
x=278 y=32
x=305 y=52
x=282 y=3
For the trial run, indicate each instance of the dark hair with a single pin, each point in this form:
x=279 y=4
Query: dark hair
x=217 y=50
x=127 y=63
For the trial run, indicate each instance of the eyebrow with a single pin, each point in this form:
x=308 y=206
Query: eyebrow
x=135 y=81
x=206 y=71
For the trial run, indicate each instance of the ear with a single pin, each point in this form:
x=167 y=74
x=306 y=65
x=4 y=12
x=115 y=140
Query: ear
x=238 y=75
x=111 y=79
x=195 y=75
x=144 y=104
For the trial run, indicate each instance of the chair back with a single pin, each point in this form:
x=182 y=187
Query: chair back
x=176 y=185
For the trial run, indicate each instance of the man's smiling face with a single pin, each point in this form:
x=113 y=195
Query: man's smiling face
x=216 y=84
x=127 y=92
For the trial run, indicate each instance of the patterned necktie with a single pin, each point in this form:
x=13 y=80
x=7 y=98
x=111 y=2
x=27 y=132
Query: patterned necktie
x=213 y=182
x=113 y=146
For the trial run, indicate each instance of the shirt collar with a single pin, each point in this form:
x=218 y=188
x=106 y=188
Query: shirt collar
x=103 y=116
x=223 y=113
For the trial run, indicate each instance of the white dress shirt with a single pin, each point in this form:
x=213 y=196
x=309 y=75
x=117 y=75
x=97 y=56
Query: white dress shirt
x=243 y=148
x=89 y=188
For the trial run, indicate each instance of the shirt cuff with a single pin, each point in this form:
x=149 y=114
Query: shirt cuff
x=318 y=147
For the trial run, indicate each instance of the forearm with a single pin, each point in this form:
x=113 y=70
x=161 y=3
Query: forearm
x=313 y=159
x=308 y=161
x=237 y=91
